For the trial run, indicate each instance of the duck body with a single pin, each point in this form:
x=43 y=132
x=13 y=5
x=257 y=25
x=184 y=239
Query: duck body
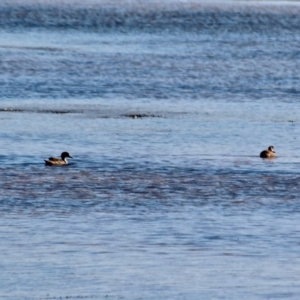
x=270 y=153
x=54 y=161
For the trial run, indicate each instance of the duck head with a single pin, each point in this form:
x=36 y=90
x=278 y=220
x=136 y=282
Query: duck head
x=65 y=154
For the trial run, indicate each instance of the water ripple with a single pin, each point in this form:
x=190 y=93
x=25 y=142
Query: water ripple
x=71 y=189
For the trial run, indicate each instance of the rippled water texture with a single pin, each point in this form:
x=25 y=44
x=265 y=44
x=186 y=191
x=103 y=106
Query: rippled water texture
x=165 y=108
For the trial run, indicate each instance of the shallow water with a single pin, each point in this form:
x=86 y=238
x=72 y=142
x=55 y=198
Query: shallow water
x=165 y=109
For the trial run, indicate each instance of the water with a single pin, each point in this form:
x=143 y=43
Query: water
x=165 y=108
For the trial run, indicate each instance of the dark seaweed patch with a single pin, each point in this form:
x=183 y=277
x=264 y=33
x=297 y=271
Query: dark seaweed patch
x=43 y=111
x=74 y=111
x=11 y=110
x=59 y=111
x=140 y=116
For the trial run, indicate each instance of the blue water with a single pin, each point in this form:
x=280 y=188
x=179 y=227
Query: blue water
x=165 y=108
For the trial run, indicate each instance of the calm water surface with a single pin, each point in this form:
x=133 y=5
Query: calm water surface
x=165 y=109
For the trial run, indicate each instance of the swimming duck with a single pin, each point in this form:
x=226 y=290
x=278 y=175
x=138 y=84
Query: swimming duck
x=270 y=153
x=53 y=161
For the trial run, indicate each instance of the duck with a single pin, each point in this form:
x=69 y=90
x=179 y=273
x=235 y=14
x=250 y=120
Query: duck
x=270 y=153
x=53 y=161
